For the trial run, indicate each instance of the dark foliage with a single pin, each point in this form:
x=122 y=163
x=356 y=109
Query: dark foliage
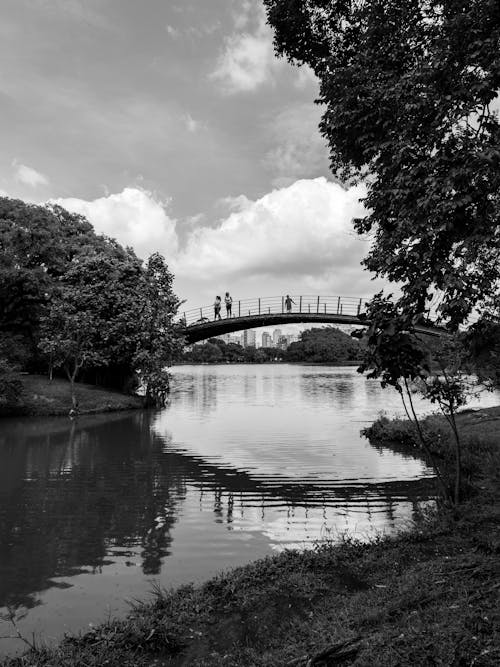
x=79 y=302
x=407 y=87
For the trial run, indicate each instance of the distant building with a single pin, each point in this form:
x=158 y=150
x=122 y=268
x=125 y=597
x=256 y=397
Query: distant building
x=276 y=336
x=230 y=338
x=249 y=338
x=285 y=340
x=267 y=340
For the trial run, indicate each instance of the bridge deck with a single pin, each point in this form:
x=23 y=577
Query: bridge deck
x=271 y=311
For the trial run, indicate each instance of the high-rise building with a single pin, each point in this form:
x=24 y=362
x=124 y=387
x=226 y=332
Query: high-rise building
x=249 y=338
x=276 y=336
x=267 y=340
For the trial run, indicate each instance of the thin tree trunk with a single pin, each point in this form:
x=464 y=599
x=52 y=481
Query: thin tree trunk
x=425 y=446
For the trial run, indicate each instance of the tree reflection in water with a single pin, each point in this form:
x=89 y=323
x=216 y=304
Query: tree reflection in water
x=71 y=490
x=74 y=495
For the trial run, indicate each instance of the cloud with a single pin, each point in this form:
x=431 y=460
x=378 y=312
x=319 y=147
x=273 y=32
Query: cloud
x=306 y=78
x=133 y=217
x=301 y=234
x=173 y=32
x=191 y=124
x=299 y=151
x=297 y=239
x=247 y=61
x=28 y=175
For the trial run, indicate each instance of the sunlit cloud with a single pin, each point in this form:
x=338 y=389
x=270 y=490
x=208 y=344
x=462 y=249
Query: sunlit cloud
x=297 y=238
x=29 y=176
x=134 y=217
x=247 y=60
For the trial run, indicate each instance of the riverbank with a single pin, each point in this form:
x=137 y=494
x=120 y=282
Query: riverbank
x=430 y=596
x=41 y=397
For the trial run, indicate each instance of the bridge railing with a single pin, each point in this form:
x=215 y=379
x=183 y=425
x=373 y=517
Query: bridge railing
x=273 y=305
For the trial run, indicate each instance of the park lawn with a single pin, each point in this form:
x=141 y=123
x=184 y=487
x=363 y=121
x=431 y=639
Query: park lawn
x=430 y=596
x=43 y=397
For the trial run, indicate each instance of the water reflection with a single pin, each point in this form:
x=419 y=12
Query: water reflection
x=70 y=491
x=244 y=460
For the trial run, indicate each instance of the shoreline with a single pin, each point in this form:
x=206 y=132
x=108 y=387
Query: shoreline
x=43 y=398
x=427 y=596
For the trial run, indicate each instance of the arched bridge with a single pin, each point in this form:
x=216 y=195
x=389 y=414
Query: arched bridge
x=200 y=323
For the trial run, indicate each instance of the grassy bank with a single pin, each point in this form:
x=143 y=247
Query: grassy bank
x=428 y=597
x=41 y=397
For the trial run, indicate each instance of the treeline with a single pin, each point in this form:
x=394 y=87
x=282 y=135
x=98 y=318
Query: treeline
x=79 y=304
x=319 y=345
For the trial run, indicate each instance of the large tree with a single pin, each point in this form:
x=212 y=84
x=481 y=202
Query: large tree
x=73 y=299
x=407 y=87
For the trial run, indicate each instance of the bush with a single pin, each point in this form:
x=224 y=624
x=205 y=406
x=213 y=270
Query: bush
x=11 y=389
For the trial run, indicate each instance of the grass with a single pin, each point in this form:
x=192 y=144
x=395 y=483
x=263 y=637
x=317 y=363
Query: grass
x=41 y=397
x=427 y=597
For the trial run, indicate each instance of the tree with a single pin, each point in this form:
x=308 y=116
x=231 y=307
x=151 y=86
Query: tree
x=37 y=243
x=324 y=345
x=407 y=87
x=158 y=340
x=84 y=302
x=76 y=323
x=411 y=362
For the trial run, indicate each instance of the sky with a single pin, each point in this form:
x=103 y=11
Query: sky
x=173 y=127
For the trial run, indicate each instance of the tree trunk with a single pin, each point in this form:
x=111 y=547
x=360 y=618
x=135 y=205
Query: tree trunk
x=72 y=377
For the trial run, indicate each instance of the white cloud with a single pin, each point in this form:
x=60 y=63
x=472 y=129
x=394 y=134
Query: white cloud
x=298 y=239
x=300 y=235
x=133 y=217
x=28 y=175
x=248 y=59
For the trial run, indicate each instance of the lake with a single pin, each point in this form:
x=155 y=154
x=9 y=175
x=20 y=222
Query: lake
x=246 y=460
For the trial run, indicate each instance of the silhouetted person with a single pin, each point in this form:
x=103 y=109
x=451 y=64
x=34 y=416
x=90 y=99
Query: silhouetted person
x=288 y=303
x=228 y=299
x=217 y=305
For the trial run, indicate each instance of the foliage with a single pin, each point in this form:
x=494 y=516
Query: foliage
x=402 y=358
x=324 y=345
x=482 y=342
x=11 y=388
x=156 y=345
x=407 y=87
x=72 y=299
x=318 y=345
x=216 y=350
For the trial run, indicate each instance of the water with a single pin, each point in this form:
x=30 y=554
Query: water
x=245 y=460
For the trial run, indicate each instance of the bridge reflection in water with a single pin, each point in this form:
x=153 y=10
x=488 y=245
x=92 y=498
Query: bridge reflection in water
x=91 y=510
x=77 y=496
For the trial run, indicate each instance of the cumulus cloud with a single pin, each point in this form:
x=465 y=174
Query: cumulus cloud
x=248 y=59
x=300 y=235
x=28 y=175
x=297 y=239
x=134 y=217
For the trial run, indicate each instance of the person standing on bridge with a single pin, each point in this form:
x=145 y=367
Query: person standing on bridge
x=288 y=303
x=229 y=304
x=217 y=305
